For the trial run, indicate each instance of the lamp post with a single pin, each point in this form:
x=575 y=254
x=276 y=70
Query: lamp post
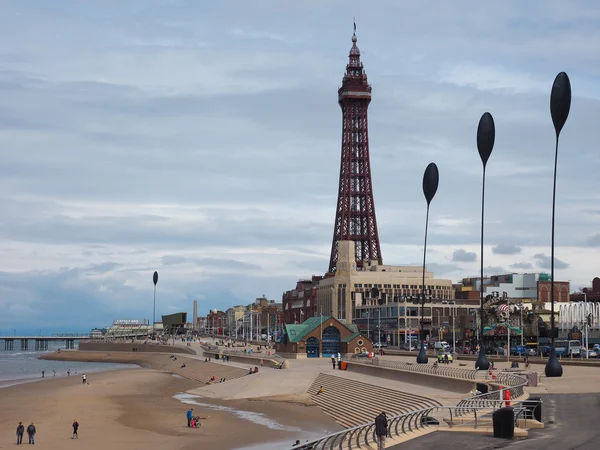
x=431 y=179
x=368 y=325
x=154 y=280
x=560 y=104
x=486 y=134
x=379 y=327
x=453 y=331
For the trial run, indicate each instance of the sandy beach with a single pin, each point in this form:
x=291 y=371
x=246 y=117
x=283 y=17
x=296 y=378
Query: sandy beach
x=134 y=408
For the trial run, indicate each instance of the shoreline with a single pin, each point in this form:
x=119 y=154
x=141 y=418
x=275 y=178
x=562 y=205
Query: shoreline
x=8 y=382
x=132 y=408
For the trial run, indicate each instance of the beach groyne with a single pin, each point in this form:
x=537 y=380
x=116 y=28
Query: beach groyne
x=133 y=347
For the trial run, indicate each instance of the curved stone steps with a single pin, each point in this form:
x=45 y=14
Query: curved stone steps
x=353 y=403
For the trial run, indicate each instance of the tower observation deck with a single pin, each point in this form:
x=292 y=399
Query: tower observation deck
x=355 y=213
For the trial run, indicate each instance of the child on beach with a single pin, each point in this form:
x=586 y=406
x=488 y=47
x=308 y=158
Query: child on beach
x=75 y=428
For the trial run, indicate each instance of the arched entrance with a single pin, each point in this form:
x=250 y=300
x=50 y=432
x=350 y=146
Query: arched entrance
x=331 y=341
x=312 y=347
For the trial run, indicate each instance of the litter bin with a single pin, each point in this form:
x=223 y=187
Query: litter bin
x=533 y=406
x=504 y=423
x=483 y=388
x=344 y=365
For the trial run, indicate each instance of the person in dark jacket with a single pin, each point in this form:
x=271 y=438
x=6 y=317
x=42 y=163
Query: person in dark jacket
x=31 y=433
x=75 y=428
x=20 y=432
x=381 y=429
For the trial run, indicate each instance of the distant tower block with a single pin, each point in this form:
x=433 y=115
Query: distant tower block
x=355 y=214
x=195 y=324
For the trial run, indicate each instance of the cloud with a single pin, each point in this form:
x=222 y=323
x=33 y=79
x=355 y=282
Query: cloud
x=522 y=265
x=461 y=255
x=204 y=142
x=494 y=270
x=442 y=270
x=594 y=241
x=506 y=249
x=544 y=262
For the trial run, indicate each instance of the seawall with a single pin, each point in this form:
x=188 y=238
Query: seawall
x=133 y=347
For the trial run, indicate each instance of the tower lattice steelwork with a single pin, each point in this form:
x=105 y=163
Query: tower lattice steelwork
x=355 y=212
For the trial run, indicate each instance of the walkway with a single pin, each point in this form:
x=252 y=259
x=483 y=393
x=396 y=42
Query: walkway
x=571 y=424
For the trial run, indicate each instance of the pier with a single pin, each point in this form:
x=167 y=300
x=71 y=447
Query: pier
x=41 y=342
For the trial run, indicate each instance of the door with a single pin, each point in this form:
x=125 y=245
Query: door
x=312 y=347
x=331 y=341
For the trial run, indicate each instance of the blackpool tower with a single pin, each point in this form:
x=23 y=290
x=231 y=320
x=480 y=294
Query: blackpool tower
x=355 y=212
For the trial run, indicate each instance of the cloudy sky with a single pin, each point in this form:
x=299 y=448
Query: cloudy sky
x=202 y=140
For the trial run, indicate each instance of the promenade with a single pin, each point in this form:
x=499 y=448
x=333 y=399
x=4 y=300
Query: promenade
x=360 y=395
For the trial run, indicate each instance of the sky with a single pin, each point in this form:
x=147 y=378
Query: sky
x=202 y=140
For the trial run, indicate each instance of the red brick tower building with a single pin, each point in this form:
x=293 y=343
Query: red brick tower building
x=355 y=212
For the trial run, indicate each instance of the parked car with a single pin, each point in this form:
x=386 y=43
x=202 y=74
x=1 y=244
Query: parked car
x=591 y=353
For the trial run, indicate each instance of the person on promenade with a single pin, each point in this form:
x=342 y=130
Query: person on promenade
x=75 y=428
x=189 y=415
x=20 y=431
x=31 y=433
x=333 y=360
x=381 y=428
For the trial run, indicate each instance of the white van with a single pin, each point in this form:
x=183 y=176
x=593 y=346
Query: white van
x=442 y=345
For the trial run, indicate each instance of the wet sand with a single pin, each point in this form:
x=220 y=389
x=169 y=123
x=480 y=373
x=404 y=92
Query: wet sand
x=134 y=409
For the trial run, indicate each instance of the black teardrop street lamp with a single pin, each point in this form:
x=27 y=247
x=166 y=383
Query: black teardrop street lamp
x=560 y=104
x=486 y=134
x=431 y=179
x=155 y=280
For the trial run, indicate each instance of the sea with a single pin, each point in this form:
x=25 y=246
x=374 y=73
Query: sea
x=17 y=367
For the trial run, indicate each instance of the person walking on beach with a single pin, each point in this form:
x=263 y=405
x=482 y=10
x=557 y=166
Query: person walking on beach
x=20 y=431
x=190 y=415
x=31 y=433
x=381 y=426
x=42 y=374
x=75 y=428
x=83 y=378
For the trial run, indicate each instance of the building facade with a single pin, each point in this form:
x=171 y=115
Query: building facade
x=300 y=303
x=588 y=294
x=216 y=322
x=321 y=336
x=349 y=288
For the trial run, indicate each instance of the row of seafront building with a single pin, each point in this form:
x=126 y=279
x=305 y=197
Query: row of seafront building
x=383 y=301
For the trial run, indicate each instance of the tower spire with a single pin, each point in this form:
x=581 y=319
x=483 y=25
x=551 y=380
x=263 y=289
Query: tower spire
x=355 y=213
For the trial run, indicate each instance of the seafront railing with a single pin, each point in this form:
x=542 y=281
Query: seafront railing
x=414 y=422
x=470 y=412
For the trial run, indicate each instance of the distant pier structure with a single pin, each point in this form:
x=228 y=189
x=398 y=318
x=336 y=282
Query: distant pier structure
x=42 y=342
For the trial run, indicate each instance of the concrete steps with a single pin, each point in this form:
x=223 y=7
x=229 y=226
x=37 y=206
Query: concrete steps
x=353 y=403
